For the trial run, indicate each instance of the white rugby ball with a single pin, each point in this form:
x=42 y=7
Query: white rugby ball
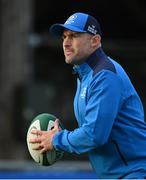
x=44 y=122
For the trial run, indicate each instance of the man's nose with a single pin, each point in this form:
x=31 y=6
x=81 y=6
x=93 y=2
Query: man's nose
x=67 y=41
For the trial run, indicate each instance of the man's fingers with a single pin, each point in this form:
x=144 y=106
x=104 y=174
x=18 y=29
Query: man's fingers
x=43 y=150
x=42 y=139
x=37 y=132
x=35 y=140
x=39 y=147
x=56 y=125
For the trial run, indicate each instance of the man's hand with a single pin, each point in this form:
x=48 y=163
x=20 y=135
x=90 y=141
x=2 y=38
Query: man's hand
x=44 y=138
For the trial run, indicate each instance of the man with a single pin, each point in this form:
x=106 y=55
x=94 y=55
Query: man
x=108 y=109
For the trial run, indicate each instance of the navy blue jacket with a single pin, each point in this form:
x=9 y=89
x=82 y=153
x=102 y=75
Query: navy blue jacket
x=111 y=122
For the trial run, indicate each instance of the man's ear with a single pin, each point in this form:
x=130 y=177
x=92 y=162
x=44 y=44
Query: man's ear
x=96 y=40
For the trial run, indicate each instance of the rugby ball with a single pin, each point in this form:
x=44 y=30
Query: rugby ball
x=44 y=122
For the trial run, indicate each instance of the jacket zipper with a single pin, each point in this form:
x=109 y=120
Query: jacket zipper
x=79 y=96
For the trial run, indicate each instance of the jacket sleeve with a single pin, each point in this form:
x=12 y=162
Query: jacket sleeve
x=103 y=102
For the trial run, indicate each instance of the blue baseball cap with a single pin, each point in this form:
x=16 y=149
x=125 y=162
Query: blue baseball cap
x=78 y=22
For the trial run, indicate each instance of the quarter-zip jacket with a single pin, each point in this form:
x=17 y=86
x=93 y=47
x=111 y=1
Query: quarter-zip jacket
x=111 y=122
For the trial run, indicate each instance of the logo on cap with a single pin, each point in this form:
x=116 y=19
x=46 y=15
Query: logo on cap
x=92 y=29
x=71 y=19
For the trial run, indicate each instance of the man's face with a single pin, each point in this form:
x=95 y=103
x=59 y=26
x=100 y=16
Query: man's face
x=76 y=46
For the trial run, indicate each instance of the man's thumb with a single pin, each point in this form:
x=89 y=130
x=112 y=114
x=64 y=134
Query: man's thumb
x=56 y=125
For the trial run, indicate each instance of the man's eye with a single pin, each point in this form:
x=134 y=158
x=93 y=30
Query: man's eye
x=63 y=37
x=75 y=35
x=71 y=36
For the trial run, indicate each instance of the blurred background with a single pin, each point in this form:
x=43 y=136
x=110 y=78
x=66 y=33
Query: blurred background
x=33 y=75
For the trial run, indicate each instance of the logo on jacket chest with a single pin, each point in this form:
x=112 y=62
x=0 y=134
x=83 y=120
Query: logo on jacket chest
x=83 y=92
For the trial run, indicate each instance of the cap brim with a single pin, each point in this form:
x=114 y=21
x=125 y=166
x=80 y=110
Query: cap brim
x=57 y=29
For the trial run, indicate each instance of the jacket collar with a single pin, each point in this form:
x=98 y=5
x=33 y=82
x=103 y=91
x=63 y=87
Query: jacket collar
x=90 y=63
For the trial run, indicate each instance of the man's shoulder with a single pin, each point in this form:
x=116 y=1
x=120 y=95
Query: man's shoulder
x=104 y=64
